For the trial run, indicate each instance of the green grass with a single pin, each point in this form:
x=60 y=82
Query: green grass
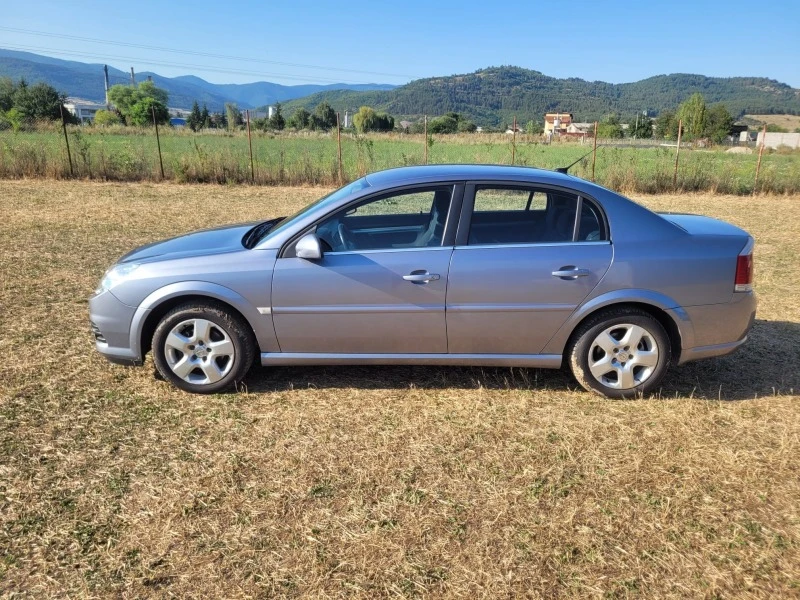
x=308 y=158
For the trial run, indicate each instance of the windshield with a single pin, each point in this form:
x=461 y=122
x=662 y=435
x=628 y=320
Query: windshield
x=332 y=198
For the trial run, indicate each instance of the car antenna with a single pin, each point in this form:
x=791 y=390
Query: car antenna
x=564 y=170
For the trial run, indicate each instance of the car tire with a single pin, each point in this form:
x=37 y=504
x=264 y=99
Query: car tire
x=620 y=353
x=203 y=348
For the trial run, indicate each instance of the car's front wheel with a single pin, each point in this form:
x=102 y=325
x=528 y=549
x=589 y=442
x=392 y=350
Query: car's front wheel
x=203 y=348
x=620 y=353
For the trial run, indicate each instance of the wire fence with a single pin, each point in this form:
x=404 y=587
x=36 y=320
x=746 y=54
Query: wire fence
x=118 y=153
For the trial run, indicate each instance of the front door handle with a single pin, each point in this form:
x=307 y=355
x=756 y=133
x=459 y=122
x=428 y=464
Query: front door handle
x=421 y=277
x=570 y=272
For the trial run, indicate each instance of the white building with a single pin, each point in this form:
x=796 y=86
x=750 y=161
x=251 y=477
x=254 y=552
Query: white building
x=776 y=140
x=84 y=110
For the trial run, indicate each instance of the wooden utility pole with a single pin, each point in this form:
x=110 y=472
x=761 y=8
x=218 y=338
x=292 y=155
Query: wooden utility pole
x=158 y=141
x=250 y=143
x=760 y=152
x=339 y=144
x=66 y=139
x=108 y=103
x=133 y=79
x=514 y=142
x=677 y=155
x=594 y=150
x=426 y=139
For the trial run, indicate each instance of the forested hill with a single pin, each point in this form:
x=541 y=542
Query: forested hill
x=496 y=95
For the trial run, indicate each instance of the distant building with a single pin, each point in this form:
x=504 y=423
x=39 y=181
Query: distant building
x=270 y=112
x=180 y=113
x=557 y=122
x=83 y=110
x=348 y=121
x=776 y=140
x=583 y=128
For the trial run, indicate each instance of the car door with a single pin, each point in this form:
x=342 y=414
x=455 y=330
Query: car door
x=525 y=259
x=380 y=285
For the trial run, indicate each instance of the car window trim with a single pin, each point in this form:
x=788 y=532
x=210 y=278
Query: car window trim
x=448 y=237
x=532 y=244
x=468 y=203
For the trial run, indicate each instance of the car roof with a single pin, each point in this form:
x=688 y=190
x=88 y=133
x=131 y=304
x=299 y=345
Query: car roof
x=421 y=174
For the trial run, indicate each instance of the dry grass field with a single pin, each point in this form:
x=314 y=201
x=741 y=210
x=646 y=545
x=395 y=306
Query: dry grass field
x=788 y=122
x=377 y=482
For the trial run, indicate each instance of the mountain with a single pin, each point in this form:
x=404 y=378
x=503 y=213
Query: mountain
x=496 y=95
x=84 y=80
x=490 y=97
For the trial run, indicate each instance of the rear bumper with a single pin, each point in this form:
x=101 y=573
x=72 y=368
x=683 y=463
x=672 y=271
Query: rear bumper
x=111 y=326
x=716 y=329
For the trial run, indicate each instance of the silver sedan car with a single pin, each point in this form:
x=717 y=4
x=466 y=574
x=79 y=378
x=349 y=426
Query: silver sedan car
x=438 y=265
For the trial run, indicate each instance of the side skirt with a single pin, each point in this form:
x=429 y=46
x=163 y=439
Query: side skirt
x=540 y=361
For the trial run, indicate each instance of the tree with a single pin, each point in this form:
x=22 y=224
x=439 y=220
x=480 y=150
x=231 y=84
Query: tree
x=366 y=119
x=39 y=102
x=276 y=121
x=445 y=124
x=466 y=126
x=107 y=117
x=667 y=125
x=137 y=104
x=300 y=118
x=233 y=116
x=718 y=123
x=324 y=117
x=7 y=89
x=610 y=128
x=533 y=128
x=11 y=118
x=193 y=121
x=205 y=119
x=641 y=127
x=219 y=121
x=142 y=113
x=693 y=114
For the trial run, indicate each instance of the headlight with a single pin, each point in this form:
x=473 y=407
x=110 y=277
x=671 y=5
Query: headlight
x=115 y=275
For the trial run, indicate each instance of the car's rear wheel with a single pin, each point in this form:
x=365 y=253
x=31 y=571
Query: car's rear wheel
x=620 y=353
x=203 y=348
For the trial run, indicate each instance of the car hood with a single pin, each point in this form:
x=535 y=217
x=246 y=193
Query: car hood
x=210 y=241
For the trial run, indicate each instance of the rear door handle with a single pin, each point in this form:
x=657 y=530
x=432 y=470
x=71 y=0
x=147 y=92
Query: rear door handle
x=421 y=277
x=570 y=272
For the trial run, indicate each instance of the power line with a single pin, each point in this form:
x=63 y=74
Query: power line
x=170 y=64
x=195 y=53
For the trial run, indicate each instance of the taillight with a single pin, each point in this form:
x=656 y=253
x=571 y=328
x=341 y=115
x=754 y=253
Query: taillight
x=744 y=270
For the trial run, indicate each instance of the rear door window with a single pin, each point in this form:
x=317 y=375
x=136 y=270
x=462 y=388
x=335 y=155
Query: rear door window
x=521 y=215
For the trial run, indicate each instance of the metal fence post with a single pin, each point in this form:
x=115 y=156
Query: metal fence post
x=339 y=145
x=66 y=139
x=594 y=150
x=514 y=141
x=250 y=144
x=158 y=141
x=426 y=139
x=677 y=154
x=760 y=152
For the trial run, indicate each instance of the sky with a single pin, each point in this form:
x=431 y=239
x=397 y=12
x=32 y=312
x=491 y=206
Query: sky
x=362 y=41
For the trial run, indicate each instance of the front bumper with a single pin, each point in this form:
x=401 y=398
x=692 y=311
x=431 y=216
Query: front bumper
x=111 y=326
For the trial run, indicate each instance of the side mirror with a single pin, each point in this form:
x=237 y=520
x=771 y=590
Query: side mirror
x=308 y=247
